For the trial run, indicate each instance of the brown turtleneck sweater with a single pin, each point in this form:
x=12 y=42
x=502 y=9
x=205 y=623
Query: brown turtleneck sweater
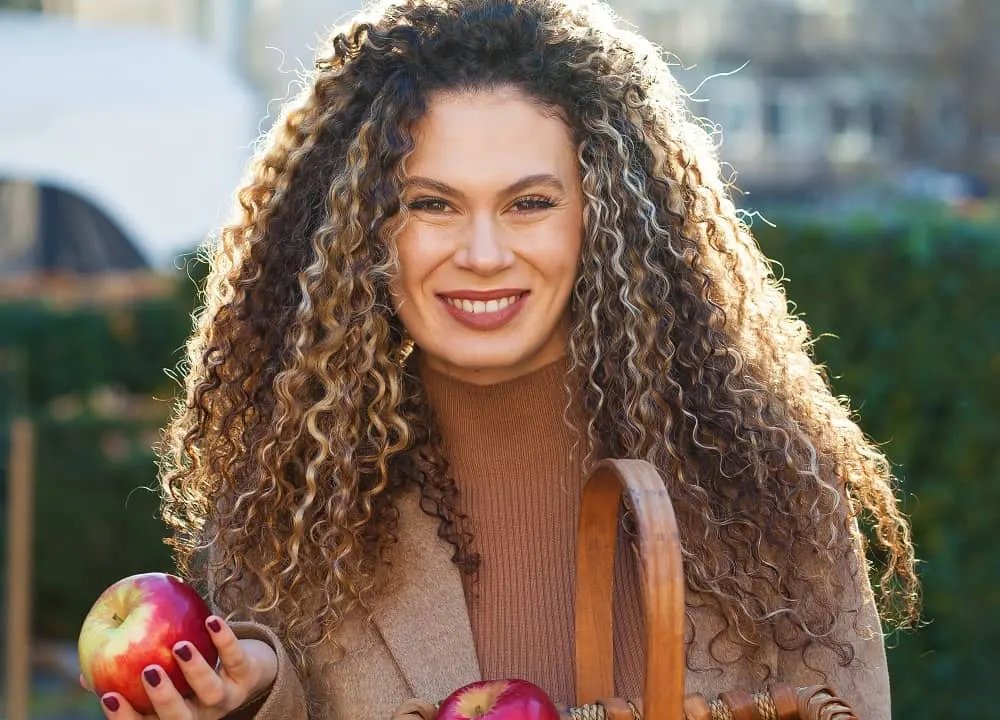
x=519 y=482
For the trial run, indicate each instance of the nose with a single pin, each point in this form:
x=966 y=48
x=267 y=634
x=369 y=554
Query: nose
x=483 y=250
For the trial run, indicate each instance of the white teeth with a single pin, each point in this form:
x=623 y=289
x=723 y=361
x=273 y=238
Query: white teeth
x=478 y=306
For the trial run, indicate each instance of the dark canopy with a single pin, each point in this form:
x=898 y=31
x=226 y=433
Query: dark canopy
x=46 y=229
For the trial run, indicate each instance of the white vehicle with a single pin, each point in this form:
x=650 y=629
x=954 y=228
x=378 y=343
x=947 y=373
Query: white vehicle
x=149 y=131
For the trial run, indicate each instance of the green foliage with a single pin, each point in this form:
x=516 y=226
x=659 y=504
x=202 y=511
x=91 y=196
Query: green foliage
x=917 y=349
x=96 y=516
x=77 y=351
x=94 y=380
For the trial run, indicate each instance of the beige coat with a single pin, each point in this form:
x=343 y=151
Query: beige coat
x=421 y=646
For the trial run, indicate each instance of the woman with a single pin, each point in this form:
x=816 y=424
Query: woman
x=515 y=192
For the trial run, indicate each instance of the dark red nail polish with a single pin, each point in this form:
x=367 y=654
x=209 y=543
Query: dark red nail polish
x=152 y=676
x=111 y=703
x=214 y=625
x=183 y=652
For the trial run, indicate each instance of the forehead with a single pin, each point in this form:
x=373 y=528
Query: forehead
x=490 y=136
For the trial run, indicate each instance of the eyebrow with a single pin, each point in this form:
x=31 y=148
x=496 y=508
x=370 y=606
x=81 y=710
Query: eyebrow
x=515 y=187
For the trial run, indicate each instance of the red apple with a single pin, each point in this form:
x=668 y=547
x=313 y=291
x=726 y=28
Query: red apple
x=136 y=622
x=498 y=700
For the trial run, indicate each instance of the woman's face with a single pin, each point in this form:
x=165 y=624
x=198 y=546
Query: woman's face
x=489 y=253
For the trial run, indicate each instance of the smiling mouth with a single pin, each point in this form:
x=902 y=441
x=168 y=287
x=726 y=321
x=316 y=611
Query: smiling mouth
x=478 y=307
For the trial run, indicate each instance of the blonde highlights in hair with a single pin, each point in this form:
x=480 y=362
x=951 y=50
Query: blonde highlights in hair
x=299 y=427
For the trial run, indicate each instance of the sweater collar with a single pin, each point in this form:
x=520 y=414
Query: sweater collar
x=528 y=414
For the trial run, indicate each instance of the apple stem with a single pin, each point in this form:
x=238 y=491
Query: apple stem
x=118 y=619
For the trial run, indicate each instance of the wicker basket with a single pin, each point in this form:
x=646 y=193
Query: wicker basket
x=662 y=586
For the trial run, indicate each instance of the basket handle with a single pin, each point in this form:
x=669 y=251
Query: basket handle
x=661 y=578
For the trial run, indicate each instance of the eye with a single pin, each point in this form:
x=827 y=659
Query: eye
x=533 y=202
x=429 y=204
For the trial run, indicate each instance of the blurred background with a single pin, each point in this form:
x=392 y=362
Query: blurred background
x=864 y=140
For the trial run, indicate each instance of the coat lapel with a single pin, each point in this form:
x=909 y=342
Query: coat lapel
x=424 y=620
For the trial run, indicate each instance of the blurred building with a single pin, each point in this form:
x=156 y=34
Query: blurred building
x=126 y=144
x=268 y=41
x=808 y=94
x=828 y=93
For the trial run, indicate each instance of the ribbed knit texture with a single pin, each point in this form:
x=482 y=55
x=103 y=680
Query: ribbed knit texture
x=510 y=454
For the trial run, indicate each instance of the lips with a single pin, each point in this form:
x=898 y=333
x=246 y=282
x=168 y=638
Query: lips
x=489 y=311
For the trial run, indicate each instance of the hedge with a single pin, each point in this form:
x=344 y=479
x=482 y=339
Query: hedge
x=92 y=379
x=96 y=517
x=916 y=315
x=907 y=321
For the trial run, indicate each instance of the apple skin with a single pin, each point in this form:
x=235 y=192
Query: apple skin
x=512 y=699
x=135 y=623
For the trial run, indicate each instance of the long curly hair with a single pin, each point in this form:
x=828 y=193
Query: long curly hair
x=299 y=428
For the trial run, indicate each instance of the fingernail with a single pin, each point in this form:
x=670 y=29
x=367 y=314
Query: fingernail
x=110 y=702
x=183 y=652
x=214 y=625
x=152 y=676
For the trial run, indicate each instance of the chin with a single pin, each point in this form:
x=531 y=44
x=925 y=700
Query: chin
x=498 y=364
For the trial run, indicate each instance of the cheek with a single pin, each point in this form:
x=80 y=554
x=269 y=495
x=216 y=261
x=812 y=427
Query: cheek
x=562 y=257
x=415 y=261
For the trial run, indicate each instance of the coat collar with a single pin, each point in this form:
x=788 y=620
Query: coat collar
x=423 y=618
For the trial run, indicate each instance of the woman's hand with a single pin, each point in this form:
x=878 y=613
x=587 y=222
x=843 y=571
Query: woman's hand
x=246 y=668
